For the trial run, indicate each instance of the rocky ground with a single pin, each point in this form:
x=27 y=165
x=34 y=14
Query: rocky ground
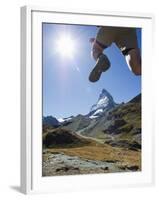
x=69 y=153
x=61 y=164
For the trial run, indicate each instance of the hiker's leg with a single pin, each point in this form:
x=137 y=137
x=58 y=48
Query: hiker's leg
x=104 y=38
x=96 y=49
x=102 y=62
x=128 y=44
x=133 y=59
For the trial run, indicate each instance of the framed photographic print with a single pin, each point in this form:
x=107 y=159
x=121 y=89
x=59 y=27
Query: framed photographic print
x=86 y=88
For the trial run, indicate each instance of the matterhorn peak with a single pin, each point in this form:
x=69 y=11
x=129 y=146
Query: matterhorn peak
x=104 y=94
x=104 y=91
x=105 y=102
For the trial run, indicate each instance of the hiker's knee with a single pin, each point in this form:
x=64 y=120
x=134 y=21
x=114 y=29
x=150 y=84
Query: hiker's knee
x=95 y=53
x=134 y=61
x=137 y=70
x=96 y=50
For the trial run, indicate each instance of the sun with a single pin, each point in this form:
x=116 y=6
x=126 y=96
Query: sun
x=65 y=46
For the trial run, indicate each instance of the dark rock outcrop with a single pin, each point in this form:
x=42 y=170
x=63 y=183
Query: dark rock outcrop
x=50 y=121
x=62 y=138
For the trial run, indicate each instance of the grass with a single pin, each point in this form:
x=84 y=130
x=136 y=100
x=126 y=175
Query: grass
x=102 y=152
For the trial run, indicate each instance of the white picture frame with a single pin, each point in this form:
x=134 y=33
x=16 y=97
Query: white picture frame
x=31 y=101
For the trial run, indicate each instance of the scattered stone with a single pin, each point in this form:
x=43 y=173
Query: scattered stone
x=122 y=167
x=133 y=168
x=105 y=168
x=111 y=161
x=65 y=169
x=76 y=168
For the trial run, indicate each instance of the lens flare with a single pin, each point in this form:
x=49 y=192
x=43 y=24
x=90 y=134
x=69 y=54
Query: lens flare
x=65 y=46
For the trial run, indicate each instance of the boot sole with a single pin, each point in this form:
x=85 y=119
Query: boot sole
x=98 y=69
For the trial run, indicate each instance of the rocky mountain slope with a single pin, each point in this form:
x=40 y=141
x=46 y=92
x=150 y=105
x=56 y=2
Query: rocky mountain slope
x=84 y=123
x=115 y=123
x=105 y=102
x=50 y=121
x=124 y=125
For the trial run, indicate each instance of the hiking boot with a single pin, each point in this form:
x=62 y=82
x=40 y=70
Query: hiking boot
x=102 y=65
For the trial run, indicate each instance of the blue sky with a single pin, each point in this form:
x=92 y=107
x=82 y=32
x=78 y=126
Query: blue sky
x=66 y=88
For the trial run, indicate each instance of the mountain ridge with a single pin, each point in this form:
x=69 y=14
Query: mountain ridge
x=110 y=120
x=104 y=102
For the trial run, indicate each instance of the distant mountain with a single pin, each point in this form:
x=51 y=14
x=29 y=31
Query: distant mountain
x=77 y=123
x=105 y=102
x=115 y=124
x=50 y=121
x=84 y=123
x=120 y=126
x=65 y=119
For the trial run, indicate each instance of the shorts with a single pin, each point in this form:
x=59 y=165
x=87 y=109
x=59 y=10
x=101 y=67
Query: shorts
x=125 y=38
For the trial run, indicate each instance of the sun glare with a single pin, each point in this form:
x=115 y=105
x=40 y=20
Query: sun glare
x=65 y=46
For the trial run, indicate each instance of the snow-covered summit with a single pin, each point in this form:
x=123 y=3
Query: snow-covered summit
x=105 y=102
x=61 y=120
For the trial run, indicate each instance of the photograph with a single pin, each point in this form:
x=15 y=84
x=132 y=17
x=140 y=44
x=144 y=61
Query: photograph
x=91 y=99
